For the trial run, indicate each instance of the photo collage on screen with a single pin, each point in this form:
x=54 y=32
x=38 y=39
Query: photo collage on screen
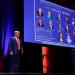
x=50 y=17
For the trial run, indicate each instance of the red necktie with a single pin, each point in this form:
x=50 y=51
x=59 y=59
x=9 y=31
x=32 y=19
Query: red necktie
x=18 y=44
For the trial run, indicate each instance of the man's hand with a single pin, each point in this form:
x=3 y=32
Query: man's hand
x=11 y=53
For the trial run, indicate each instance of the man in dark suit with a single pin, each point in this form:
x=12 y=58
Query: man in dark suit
x=60 y=37
x=40 y=24
x=51 y=25
x=58 y=17
x=15 y=50
x=40 y=13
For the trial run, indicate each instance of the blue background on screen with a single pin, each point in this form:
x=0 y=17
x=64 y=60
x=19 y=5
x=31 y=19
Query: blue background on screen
x=43 y=35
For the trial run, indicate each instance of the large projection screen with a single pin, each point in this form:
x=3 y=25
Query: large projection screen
x=48 y=23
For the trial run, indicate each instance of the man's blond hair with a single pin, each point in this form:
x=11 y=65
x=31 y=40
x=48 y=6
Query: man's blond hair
x=16 y=32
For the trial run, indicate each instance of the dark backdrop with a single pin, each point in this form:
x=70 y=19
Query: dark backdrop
x=11 y=18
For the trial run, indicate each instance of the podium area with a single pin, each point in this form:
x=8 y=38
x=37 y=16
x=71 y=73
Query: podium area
x=43 y=59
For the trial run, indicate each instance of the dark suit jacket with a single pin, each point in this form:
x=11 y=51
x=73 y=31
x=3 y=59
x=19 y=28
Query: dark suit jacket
x=13 y=46
x=59 y=39
x=41 y=25
x=39 y=14
x=52 y=27
x=58 y=19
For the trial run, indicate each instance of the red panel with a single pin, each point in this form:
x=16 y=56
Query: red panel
x=45 y=50
x=46 y=61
